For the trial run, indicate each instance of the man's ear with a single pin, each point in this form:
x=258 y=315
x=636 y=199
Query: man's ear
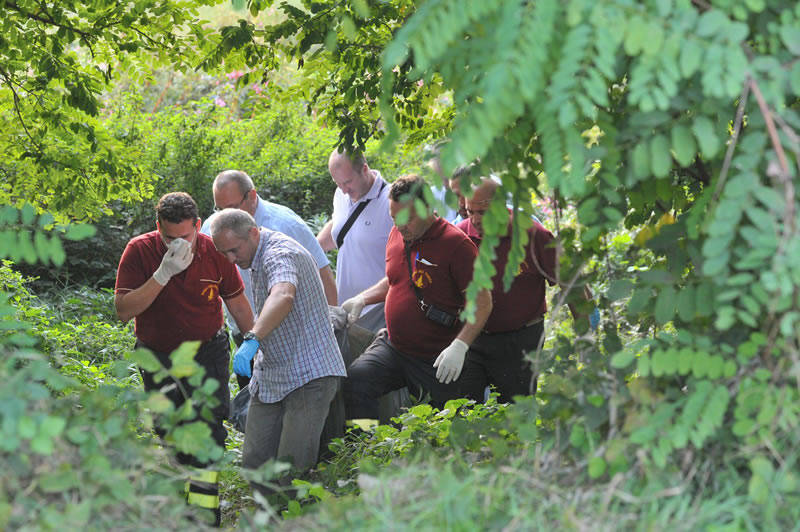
x=254 y=232
x=158 y=226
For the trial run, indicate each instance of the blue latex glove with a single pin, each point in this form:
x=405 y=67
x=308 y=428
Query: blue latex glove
x=594 y=319
x=243 y=356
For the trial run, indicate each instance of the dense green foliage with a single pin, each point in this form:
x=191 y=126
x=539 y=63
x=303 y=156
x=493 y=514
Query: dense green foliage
x=57 y=57
x=663 y=133
x=675 y=119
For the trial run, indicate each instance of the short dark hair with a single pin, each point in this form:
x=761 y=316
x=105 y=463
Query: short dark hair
x=406 y=188
x=176 y=207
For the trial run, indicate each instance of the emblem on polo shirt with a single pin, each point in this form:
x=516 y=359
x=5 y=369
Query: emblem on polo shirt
x=422 y=278
x=210 y=291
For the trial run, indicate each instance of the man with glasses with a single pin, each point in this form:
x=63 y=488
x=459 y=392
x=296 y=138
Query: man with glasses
x=172 y=281
x=235 y=189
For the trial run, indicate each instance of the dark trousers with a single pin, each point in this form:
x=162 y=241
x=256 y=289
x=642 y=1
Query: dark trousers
x=501 y=356
x=214 y=357
x=382 y=368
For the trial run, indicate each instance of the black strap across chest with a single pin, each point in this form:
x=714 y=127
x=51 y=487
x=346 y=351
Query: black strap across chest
x=352 y=218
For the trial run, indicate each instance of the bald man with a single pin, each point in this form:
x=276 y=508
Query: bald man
x=516 y=322
x=359 y=228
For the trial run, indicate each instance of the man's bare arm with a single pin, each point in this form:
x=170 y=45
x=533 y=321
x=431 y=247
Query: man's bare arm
x=325 y=238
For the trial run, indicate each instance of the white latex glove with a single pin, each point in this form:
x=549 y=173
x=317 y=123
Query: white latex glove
x=177 y=258
x=450 y=362
x=353 y=307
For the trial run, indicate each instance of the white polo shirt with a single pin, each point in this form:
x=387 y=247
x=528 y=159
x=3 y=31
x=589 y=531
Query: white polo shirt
x=361 y=261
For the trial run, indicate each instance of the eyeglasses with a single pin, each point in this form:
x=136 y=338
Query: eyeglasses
x=217 y=209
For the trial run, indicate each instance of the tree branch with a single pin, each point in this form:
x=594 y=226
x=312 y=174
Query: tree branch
x=783 y=175
x=737 y=127
x=8 y=81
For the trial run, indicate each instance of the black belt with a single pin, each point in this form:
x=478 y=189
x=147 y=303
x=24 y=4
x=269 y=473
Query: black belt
x=531 y=323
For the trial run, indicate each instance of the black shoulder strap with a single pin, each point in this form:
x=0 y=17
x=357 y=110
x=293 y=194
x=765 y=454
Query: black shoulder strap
x=417 y=293
x=352 y=218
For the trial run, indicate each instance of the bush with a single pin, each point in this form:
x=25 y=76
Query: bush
x=185 y=145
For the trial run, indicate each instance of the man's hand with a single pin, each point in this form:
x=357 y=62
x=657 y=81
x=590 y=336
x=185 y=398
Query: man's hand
x=450 y=362
x=243 y=356
x=177 y=258
x=353 y=307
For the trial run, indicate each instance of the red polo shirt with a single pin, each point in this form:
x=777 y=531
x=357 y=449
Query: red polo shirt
x=442 y=261
x=525 y=300
x=189 y=306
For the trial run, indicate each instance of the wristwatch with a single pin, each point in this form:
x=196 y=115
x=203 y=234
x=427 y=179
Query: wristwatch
x=250 y=335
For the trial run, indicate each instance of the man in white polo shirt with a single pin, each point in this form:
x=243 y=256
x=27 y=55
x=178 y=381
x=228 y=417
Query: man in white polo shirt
x=359 y=227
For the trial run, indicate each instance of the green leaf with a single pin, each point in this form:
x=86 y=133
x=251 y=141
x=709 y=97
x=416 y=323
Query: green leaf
x=183 y=364
x=26 y=427
x=686 y=298
x=158 y=402
x=683 y=145
x=639 y=299
x=655 y=38
x=703 y=130
x=622 y=359
x=711 y=22
x=704 y=302
x=685 y=361
x=618 y=289
x=691 y=56
x=52 y=426
x=80 y=231
x=794 y=78
x=643 y=365
x=28 y=214
x=660 y=158
x=635 y=35
x=145 y=359
x=700 y=364
x=597 y=466
x=640 y=159
x=665 y=305
x=756 y=6
x=59 y=482
x=42 y=444
x=790 y=35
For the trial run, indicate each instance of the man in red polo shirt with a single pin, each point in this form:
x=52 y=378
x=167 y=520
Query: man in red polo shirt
x=516 y=323
x=172 y=282
x=428 y=267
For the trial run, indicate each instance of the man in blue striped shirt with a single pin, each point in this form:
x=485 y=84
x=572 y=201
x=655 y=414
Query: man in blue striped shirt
x=297 y=360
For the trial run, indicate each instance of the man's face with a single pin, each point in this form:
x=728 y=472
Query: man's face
x=477 y=206
x=462 y=201
x=353 y=182
x=231 y=197
x=239 y=251
x=187 y=230
x=415 y=227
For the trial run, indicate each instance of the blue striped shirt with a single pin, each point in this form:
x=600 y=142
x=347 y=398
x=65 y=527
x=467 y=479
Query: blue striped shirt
x=303 y=347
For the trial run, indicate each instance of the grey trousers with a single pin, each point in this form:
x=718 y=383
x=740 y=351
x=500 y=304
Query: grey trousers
x=289 y=428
